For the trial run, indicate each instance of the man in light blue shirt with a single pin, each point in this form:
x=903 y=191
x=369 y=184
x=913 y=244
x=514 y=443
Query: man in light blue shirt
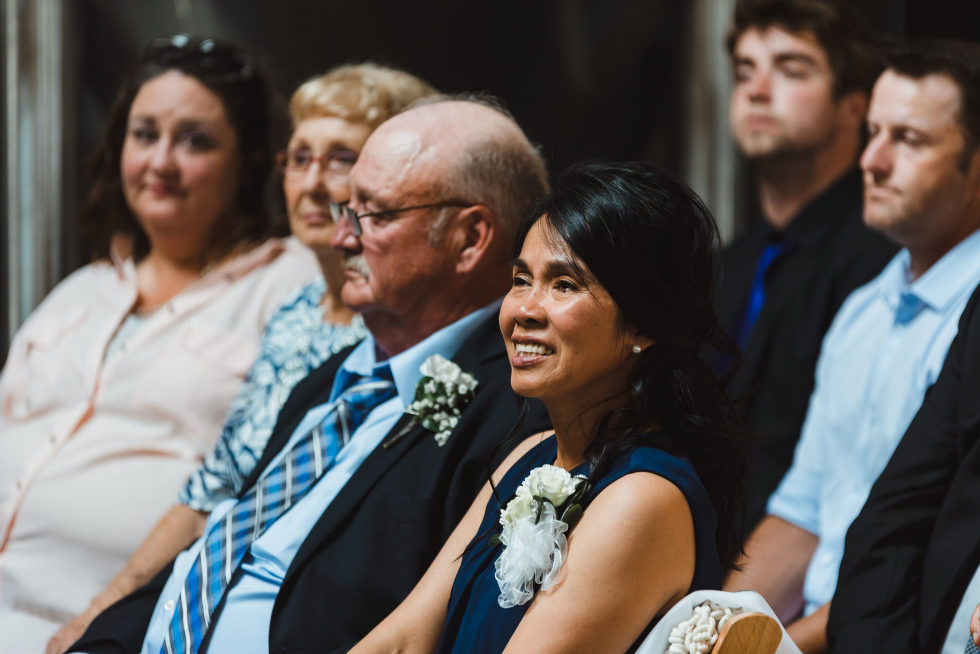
x=884 y=349
x=435 y=197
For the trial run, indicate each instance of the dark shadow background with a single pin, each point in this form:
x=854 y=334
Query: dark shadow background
x=585 y=79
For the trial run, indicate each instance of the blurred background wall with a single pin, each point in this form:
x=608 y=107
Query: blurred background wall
x=617 y=79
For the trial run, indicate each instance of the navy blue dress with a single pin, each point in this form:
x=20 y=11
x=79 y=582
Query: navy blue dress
x=476 y=624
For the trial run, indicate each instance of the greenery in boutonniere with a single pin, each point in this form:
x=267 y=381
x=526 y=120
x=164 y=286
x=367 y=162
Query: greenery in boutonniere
x=546 y=506
x=440 y=396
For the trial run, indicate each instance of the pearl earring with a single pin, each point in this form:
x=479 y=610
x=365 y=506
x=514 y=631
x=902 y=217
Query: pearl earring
x=637 y=349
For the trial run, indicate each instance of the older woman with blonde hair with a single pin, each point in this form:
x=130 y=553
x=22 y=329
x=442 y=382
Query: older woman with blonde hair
x=332 y=116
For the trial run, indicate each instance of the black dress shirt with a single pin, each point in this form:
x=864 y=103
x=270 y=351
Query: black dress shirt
x=830 y=254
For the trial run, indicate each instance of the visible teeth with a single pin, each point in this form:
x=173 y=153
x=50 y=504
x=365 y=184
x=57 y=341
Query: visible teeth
x=533 y=348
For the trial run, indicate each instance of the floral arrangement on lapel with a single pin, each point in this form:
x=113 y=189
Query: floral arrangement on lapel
x=440 y=396
x=545 y=506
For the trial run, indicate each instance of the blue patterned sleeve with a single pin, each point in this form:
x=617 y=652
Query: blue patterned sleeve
x=295 y=342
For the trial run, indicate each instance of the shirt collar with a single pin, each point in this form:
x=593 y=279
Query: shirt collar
x=956 y=273
x=822 y=218
x=121 y=255
x=363 y=360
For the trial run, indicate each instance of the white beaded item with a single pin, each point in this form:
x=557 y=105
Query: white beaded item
x=699 y=633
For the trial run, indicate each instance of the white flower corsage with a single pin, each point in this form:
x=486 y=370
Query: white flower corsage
x=545 y=507
x=440 y=396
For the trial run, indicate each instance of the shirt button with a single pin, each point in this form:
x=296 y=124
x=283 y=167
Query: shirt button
x=827 y=558
x=169 y=605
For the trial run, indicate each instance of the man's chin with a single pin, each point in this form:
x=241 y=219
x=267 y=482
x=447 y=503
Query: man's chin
x=763 y=148
x=355 y=295
x=882 y=219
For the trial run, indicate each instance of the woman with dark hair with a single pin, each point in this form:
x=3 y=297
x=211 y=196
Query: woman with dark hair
x=118 y=383
x=585 y=536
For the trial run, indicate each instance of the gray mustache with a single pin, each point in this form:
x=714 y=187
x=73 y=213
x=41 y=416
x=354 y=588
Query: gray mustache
x=357 y=264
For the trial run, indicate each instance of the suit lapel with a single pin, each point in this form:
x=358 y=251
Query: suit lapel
x=953 y=552
x=483 y=345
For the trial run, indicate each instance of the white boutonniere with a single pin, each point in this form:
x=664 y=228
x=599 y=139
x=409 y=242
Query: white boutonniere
x=440 y=396
x=546 y=506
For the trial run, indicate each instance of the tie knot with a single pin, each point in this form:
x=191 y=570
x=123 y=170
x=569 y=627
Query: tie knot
x=909 y=306
x=770 y=253
x=362 y=396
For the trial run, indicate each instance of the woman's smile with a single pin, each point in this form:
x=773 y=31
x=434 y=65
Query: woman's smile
x=565 y=337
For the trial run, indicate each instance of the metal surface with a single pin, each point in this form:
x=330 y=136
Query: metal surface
x=34 y=152
x=712 y=163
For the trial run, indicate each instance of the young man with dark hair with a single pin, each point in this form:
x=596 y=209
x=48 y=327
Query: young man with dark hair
x=802 y=78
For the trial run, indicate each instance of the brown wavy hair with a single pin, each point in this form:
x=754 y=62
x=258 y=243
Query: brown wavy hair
x=234 y=76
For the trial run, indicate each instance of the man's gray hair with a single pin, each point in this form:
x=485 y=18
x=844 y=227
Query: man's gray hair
x=503 y=173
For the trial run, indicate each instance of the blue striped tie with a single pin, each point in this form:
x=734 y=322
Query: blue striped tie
x=275 y=492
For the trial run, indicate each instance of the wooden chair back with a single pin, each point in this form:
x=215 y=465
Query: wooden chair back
x=749 y=633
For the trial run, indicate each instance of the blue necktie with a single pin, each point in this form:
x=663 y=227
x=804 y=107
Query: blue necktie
x=971 y=647
x=757 y=296
x=274 y=493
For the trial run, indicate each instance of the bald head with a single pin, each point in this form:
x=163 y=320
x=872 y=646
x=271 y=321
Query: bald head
x=440 y=189
x=471 y=151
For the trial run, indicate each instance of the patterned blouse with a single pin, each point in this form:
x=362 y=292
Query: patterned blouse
x=296 y=341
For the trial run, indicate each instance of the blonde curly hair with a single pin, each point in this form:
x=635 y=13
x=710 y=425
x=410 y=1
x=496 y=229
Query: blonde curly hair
x=365 y=93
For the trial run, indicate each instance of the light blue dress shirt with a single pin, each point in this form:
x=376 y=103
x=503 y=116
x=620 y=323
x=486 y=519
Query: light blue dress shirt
x=243 y=620
x=882 y=352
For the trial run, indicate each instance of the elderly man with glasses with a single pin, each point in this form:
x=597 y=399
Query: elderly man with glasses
x=355 y=494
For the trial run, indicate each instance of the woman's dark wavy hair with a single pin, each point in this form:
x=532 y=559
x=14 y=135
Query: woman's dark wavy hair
x=231 y=74
x=650 y=242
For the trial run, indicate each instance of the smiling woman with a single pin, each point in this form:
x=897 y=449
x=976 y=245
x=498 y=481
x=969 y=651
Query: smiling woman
x=566 y=338
x=585 y=537
x=180 y=164
x=117 y=385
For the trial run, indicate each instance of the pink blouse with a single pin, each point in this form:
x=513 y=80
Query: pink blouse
x=92 y=448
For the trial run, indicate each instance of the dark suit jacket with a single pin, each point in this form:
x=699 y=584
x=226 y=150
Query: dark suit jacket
x=380 y=533
x=831 y=254
x=914 y=547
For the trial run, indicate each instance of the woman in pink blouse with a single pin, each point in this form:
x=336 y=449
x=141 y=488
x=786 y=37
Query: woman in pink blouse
x=117 y=385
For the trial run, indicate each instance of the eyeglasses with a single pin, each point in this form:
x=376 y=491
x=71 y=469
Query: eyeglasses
x=213 y=56
x=337 y=210
x=297 y=161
